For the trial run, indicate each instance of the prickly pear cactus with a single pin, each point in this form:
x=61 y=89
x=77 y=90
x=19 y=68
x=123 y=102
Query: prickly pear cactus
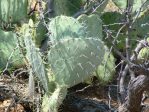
x=65 y=27
x=73 y=55
x=106 y=70
x=9 y=50
x=93 y=25
x=73 y=60
x=13 y=10
x=35 y=60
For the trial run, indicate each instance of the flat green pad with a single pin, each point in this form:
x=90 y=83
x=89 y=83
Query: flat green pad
x=73 y=60
x=13 y=10
x=9 y=50
x=93 y=25
x=62 y=27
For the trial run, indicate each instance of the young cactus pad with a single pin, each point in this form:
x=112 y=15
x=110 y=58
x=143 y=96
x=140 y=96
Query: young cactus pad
x=13 y=10
x=93 y=25
x=65 y=27
x=144 y=54
x=73 y=60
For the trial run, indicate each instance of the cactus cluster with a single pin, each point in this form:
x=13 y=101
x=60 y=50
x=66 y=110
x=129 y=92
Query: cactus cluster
x=72 y=57
x=75 y=51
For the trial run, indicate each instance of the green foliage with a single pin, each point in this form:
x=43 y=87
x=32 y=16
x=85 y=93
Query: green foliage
x=109 y=19
x=66 y=7
x=70 y=7
x=13 y=10
x=113 y=21
x=99 y=4
x=40 y=34
x=141 y=25
x=9 y=49
x=73 y=60
x=137 y=4
x=93 y=25
x=74 y=6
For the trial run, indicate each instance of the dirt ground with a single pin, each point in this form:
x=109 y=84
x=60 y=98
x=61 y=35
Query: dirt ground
x=15 y=97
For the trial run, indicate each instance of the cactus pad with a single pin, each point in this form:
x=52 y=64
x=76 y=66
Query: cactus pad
x=65 y=27
x=8 y=46
x=93 y=25
x=13 y=10
x=73 y=60
x=144 y=54
x=35 y=60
